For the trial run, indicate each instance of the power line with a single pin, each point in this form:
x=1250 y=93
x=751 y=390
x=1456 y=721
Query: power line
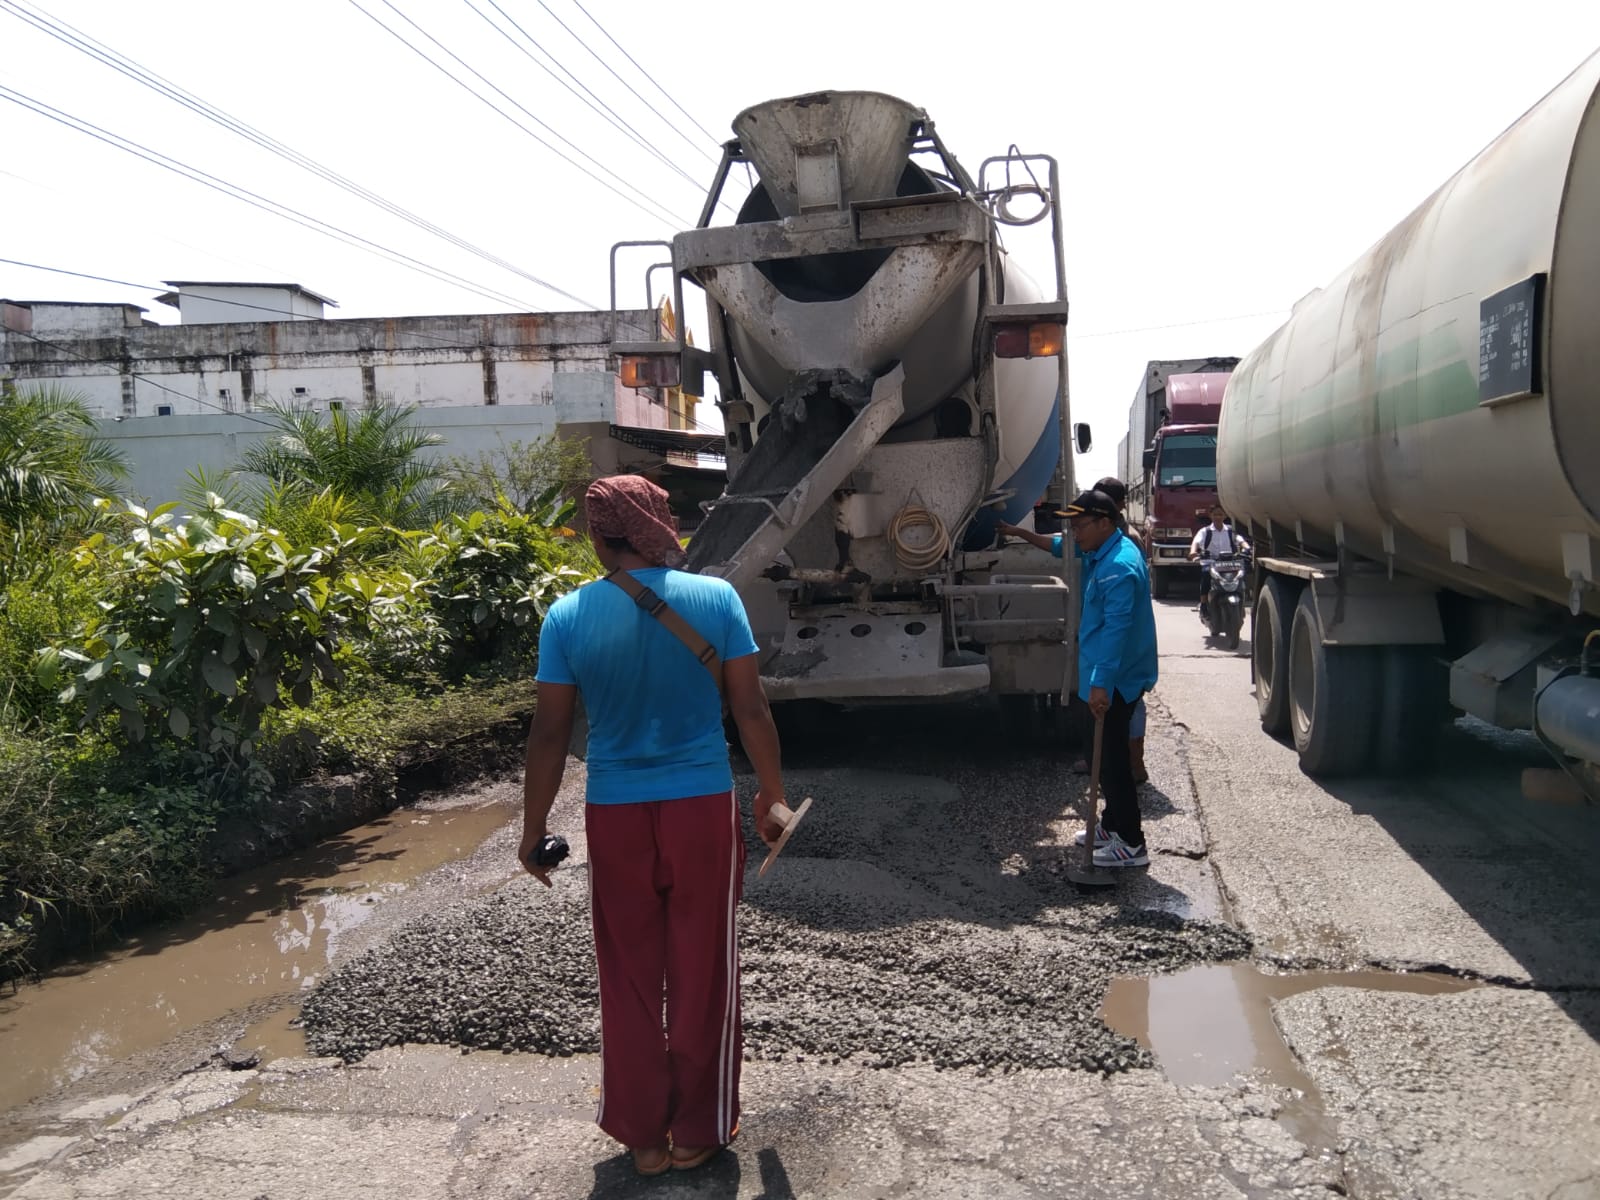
x=665 y=120
x=660 y=213
x=88 y=45
x=234 y=191
x=595 y=104
x=640 y=69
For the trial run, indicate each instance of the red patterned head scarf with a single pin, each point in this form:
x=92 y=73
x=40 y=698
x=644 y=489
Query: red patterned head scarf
x=630 y=506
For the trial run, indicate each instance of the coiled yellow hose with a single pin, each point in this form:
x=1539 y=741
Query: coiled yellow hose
x=917 y=550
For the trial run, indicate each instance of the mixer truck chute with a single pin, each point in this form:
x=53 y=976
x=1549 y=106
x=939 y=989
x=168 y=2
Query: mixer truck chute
x=892 y=385
x=1417 y=455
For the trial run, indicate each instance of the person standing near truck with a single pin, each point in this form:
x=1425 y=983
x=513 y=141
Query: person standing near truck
x=1116 y=665
x=666 y=851
x=1116 y=659
x=1118 y=491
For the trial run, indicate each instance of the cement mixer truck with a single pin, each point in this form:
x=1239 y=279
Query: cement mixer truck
x=1416 y=453
x=892 y=385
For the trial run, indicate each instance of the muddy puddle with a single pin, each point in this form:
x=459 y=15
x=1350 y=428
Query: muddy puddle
x=270 y=933
x=1209 y=1024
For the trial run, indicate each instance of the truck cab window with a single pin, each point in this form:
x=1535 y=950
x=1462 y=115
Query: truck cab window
x=1188 y=460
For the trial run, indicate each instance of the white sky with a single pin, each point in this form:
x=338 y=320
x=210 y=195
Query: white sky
x=1219 y=159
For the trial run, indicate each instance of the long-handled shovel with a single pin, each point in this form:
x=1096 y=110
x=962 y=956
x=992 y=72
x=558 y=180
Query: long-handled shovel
x=1087 y=875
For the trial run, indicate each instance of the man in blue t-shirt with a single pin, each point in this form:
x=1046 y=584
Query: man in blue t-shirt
x=666 y=851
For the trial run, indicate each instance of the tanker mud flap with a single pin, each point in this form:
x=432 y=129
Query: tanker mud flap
x=820 y=431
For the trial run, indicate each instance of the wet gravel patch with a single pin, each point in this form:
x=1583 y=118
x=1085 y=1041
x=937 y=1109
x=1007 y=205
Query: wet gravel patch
x=918 y=917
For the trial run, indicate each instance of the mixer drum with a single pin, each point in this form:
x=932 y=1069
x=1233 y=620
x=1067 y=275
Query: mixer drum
x=937 y=356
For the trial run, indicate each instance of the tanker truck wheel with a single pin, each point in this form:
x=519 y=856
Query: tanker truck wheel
x=1333 y=700
x=1415 y=689
x=1269 y=653
x=1160 y=584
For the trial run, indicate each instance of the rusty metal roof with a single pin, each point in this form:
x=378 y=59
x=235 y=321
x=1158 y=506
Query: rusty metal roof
x=673 y=441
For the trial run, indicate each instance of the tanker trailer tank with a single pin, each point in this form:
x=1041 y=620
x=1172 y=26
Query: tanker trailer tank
x=1414 y=451
x=892 y=385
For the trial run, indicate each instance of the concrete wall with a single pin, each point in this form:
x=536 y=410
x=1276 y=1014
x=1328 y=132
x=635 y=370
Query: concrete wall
x=435 y=362
x=44 y=318
x=163 y=450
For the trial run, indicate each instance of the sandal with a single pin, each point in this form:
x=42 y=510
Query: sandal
x=652 y=1160
x=687 y=1158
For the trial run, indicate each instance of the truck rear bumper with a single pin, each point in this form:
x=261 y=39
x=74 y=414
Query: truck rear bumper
x=942 y=683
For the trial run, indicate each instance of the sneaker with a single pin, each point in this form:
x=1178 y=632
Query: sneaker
x=1117 y=853
x=1101 y=837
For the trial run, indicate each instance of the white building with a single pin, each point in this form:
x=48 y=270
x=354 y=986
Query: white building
x=189 y=395
x=212 y=303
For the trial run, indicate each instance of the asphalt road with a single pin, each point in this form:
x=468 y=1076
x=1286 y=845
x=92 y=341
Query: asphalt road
x=1419 y=1016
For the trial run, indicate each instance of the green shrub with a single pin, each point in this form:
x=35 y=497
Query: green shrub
x=492 y=576
x=206 y=625
x=46 y=603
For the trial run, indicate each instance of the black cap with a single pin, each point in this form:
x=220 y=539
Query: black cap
x=1091 y=504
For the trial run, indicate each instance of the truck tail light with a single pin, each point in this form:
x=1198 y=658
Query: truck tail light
x=649 y=370
x=1042 y=339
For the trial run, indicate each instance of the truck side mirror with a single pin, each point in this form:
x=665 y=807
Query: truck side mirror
x=1082 y=437
x=1149 y=460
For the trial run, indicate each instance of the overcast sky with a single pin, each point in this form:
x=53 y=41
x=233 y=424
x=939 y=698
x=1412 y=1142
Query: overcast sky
x=1220 y=160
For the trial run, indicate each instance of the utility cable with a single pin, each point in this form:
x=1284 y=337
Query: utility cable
x=234 y=191
x=593 y=53
x=637 y=66
x=646 y=205
x=85 y=44
x=594 y=102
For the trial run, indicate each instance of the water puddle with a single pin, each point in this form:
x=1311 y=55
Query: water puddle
x=1209 y=1024
x=270 y=932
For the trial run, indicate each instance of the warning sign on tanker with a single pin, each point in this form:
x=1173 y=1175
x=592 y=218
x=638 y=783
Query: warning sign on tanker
x=1509 y=337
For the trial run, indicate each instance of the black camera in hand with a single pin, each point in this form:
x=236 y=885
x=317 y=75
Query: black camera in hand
x=550 y=851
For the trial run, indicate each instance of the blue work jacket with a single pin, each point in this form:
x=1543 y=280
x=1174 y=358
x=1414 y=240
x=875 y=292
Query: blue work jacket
x=1117 y=627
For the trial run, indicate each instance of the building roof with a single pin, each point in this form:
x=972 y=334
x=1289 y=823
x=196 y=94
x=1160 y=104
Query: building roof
x=676 y=441
x=71 y=304
x=172 y=297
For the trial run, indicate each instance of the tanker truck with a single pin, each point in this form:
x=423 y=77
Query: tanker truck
x=1169 y=459
x=891 y=384
x=1416 y=453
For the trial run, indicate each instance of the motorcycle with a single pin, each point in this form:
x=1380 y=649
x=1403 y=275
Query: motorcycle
x=1223 y=612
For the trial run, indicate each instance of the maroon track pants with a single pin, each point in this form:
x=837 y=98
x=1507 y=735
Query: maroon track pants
x=665 y=877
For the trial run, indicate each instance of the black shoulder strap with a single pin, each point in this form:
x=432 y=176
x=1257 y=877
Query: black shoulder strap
x=686 y=633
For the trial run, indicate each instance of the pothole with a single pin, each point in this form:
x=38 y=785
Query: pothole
x=1211 y=1024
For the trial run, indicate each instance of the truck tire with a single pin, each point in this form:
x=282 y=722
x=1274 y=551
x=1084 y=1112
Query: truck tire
x=1333 y=701
x=1415 y=691
x=1160 y=584
x=1269 y=653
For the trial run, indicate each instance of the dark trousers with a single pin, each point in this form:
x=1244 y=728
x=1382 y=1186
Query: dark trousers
x=1121 y=812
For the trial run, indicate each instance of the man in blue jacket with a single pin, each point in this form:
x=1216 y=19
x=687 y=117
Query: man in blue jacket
x=1116 y=658
x=1116 y=664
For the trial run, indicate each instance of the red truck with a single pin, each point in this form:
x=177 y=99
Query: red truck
x=1169 y=459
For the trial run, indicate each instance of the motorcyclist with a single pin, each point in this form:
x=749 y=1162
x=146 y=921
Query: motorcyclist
x=1213 y=541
